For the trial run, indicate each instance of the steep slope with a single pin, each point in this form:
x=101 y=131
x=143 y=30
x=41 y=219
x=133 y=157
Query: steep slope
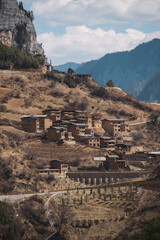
x=23 y=153
x=151 y=91
x=128 y=70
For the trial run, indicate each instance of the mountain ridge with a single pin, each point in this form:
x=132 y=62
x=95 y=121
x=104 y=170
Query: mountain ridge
x=64 y=67
x=129 y=70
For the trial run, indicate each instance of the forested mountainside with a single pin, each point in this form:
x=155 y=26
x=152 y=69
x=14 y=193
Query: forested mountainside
x=129 y=70
x=151 y=91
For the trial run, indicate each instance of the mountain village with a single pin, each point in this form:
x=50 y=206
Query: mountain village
x=70 y=127
x=79 y=158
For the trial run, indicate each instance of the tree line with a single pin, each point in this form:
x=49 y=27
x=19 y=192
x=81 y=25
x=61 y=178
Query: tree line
x=12 y=56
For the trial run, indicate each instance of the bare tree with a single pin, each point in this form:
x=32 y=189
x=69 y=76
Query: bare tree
x=62 y=217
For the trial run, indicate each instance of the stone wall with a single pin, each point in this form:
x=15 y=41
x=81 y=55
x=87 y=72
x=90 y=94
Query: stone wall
x=17 y=29
x=93 y=178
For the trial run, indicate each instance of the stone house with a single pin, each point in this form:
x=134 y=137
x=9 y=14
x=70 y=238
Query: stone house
x=67 y=114
x=59 y=165
x=57 y=133
x=87 y=120
x=107 y=142
x=114 y=162
x=79 y=114
x=35 y=123
x=53 y=114
x=114 y=126
x=96 y=122
x=77 y=129
x=88 y=139
x=94 y=142
x=122 y=148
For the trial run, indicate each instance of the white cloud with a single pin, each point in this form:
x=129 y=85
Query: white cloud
x=81 y=43
x=96 y=12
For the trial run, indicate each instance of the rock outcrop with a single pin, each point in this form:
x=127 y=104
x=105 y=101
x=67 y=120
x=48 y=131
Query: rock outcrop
x=17 y=29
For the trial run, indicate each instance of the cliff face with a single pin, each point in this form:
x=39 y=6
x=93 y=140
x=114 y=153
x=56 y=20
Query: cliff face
x=17 y=29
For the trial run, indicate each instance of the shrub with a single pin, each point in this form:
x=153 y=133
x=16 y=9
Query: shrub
x=8 y=172
x=28 y=102
x=83 y=104
x=5 y=122
x=7 y=97
x=3 y=108
x=17 y=58
x=56 y=94
x=10 y=229
x=100 y=92
x=51 y=178
x=110 y=83
x=51 y=76
x=69 y=81
x=4 y=216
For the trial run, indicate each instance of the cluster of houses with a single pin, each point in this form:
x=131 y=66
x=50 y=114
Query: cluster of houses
x=70 y=126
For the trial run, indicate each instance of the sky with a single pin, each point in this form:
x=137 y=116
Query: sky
x=83 y=30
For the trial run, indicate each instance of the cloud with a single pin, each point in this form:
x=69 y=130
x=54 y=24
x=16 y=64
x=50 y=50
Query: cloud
x=81 y=43
x=96 y=12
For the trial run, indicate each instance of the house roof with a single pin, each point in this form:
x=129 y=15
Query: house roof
x=85 y=135
x=108 y=138
x=112 y=156
x=79 y=111
x=60 y=161
x=34 y=116
x=51 y=109
x=67 y=110
x=153 y=153
x=114 y=120
x=58 y=127
x=102 y=159
x=80 y=124
x=124 y=145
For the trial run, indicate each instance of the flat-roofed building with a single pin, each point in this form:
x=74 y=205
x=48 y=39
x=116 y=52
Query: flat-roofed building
x=124 y=127
x=107 y=142
x=114 y=126
x=61 y=166
x=96 y=122
x=77 y=128
x=35 y=123
x=57 y=133
x=113 y=161
x=53 y=114
x=86 y=120
x=67 y=114
x=122 y=148
x=89 y=140
x=99 y=159
x=80 y=114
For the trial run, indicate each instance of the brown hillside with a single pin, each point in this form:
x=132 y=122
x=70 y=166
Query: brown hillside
x=23 y=153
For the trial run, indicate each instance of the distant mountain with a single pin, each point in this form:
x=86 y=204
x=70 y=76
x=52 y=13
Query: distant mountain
x=129 y=70
x=151 y=91
x=64 y=67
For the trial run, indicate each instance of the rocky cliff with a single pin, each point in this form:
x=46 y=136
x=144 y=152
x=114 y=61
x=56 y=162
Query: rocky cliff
x=17 y=29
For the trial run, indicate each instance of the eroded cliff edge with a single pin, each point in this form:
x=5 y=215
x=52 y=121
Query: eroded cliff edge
x=17 y=28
